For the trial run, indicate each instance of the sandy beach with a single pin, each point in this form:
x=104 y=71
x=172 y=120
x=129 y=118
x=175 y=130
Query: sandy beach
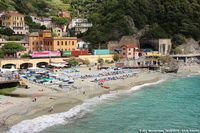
x=13 y=110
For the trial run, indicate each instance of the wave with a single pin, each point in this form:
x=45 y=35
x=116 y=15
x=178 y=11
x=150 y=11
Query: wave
x=41 y=123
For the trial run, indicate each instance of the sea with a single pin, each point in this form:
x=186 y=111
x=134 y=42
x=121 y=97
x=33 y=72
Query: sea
x=166 y=106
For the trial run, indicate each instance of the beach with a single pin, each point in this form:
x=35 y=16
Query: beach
x=62 y=100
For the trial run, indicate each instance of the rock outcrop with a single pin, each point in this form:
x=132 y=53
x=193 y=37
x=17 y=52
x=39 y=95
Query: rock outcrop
x=190 y=47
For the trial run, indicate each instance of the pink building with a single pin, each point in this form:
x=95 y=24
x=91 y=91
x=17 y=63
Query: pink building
x=129 y=51
x=25 y=44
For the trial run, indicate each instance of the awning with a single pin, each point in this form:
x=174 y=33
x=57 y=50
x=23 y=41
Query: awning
x=154 y=55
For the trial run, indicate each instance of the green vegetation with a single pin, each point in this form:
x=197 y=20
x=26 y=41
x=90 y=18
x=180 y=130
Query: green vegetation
x=86 y=62
x=15 y=38
x=1 y=53
x=6 y=31
x=60 y=20
x=100 y=60
x=116 y=56
x=26 y=55
x=166 y=59
x=111 y=19
x=73 y=61
x=7 y=90
x=178 y=39
x=38 y=7
x=32 y=25
x=12 y=48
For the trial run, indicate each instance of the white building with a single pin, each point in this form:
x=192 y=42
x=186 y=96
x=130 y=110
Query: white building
x=82 y=45
x=76 y=20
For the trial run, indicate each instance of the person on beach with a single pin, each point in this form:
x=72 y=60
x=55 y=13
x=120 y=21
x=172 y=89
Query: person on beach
x=51 y=109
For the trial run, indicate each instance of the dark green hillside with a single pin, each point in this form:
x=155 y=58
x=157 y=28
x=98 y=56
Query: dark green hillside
x=114 y=18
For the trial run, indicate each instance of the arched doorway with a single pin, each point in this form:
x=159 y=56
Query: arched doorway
x=42 y=64
x=26 y=65
x=9 y=66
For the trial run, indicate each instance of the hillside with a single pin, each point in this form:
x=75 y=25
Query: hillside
x=112 y=19
x=36 y=7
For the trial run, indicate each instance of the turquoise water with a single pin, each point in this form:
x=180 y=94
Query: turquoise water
x=170 y=105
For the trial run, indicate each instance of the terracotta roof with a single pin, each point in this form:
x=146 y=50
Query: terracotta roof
x=14 y=14
x=130 y=46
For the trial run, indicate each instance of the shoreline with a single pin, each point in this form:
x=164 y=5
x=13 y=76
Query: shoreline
x=64 y=104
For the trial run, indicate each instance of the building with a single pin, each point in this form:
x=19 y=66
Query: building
x=43 y=41
x=15 y=21
x=125 y=40
x=81 y=45
x=64 y=14
x=82 y=27
x=58 y=32
x=162 y=46
x=34 y=41
x=60 y=44
x=72 y=24
x=42 y=21
x=25 y=44
x=129 y=51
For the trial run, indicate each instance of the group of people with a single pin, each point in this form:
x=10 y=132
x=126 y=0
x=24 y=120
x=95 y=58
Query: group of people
x=115 y=77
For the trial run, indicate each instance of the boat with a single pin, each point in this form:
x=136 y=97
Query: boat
x=171 y=70
x=70 y=81
x=107 y=87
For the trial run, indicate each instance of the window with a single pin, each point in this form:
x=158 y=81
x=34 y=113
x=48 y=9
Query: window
x=129 y=53
x=72 y=42
x=73 y=49
x=57 y=42
x=124 y=48
x=69 y=42
x=33 y=43
x=124 y=53
x=129 y=49
x=69 y=49
x=61 y=42
x=40 y=35
x=65 y=42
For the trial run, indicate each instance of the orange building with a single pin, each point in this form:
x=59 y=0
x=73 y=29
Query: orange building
x=60 y=43
x=43 y=41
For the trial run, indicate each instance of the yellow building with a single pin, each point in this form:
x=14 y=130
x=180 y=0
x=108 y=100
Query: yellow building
x=15 y=21
x=43 y=41
x=60 y=43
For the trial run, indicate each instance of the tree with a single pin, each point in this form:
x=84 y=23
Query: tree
x=11 y=48
x=1 y=53
x=6 y=31
x=26 y=55
x=43 y=27
x=60 y=20
x=100 y=60
x=86 y=62
x=178 y=39
x=116 y=56
x=73 y=61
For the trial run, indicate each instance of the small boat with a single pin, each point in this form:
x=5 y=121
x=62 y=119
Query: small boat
x=70 y=81
x=107 y=87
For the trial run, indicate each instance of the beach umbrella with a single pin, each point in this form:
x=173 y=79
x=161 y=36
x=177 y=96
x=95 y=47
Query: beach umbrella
x=102 y=80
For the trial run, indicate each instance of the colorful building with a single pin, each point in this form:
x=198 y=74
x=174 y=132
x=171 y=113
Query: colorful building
x=60 y=43
x=73 y=22
x=129 y=51
x=15 y=21
x=43 y=41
